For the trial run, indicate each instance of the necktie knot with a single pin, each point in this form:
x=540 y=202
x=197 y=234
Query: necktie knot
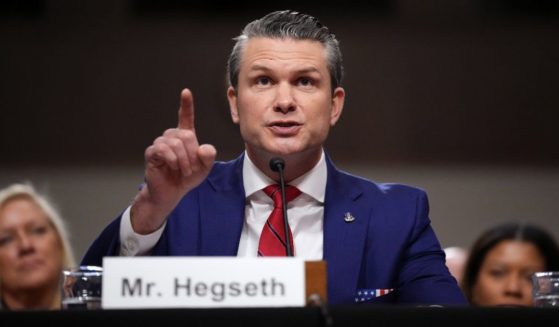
x=274 y=191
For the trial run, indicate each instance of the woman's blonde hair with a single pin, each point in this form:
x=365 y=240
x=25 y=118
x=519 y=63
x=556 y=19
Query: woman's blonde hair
x=27 y=191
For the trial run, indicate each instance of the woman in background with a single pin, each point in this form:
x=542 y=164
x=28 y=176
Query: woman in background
x=34 y=248
x=501 y=263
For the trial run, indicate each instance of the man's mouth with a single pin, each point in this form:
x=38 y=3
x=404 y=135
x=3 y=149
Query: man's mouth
x=284 y=124
x=285 y=128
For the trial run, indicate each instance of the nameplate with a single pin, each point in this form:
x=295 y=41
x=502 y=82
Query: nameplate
x=202 y=282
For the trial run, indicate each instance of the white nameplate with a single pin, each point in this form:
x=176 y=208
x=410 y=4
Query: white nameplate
x=202 y=282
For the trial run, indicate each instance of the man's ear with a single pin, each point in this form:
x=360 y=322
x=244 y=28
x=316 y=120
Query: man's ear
x=338 y=99
x=232 y=98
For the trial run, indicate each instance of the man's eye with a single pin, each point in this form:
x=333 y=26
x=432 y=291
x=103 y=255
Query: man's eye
x=305 y=81
x=263 y=80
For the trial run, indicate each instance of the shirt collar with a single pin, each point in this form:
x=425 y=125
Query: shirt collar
x=312 y=183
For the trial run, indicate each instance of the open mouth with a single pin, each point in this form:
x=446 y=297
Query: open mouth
x=285 y=128
x=284 y=124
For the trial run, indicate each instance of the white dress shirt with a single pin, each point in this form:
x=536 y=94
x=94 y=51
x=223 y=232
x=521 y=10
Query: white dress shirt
x=305 y=215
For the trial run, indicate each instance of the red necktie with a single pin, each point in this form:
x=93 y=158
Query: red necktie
x=272 y=239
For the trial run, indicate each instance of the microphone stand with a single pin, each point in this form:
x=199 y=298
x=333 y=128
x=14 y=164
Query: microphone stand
x=278 y=164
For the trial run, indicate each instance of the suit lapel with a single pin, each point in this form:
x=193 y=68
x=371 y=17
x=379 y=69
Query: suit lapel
x=222 y=210
x=345 y=226
x=222 y=218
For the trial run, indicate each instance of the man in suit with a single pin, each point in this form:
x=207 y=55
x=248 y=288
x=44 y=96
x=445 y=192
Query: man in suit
x=285 y=94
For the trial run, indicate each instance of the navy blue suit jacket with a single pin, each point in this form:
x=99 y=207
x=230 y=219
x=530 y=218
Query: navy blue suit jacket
x=389 y=245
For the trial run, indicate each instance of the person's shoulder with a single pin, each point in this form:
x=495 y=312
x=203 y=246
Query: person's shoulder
x=373 y=187
x=220 y=166
x=382 y=188
x=226 y=172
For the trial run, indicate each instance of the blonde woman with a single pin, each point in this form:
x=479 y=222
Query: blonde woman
x=34 y=248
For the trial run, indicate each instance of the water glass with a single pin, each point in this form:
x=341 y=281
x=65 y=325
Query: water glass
x=545 y=289
x=81 y=288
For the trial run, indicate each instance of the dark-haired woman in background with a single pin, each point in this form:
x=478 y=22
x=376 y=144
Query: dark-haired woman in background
x=501 y=262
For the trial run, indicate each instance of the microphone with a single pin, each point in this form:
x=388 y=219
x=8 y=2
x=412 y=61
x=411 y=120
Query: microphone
x=315 y=300
x=278 y=164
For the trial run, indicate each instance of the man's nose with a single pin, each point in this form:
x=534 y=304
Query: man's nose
x=285 y=101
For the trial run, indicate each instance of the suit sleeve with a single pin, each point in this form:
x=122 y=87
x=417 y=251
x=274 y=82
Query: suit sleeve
x=106 y=244
x=424 y=277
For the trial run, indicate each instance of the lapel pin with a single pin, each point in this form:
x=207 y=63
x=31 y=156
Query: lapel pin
x=348 y=218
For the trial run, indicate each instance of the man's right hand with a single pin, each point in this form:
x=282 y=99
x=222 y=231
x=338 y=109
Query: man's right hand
x=175 y=164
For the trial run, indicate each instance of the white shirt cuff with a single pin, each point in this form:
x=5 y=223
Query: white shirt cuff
x=131 y=243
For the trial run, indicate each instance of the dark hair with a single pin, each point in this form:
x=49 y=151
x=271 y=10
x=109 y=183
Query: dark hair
x=288 y=24
x=535 y=235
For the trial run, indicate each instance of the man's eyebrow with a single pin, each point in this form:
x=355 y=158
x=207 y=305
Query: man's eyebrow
x=308 y=70
x=305 y=70
x=259 y=67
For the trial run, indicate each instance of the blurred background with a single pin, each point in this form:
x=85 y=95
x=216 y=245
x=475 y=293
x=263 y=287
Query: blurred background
x=459 y=98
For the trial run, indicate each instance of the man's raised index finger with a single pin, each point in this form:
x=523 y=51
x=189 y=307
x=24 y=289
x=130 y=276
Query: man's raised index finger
x=186 y=110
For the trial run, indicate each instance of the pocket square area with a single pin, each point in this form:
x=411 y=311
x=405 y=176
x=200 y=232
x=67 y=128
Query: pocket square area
x=364 y=295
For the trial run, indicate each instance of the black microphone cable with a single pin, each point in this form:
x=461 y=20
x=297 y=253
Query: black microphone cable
x=278 y=164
